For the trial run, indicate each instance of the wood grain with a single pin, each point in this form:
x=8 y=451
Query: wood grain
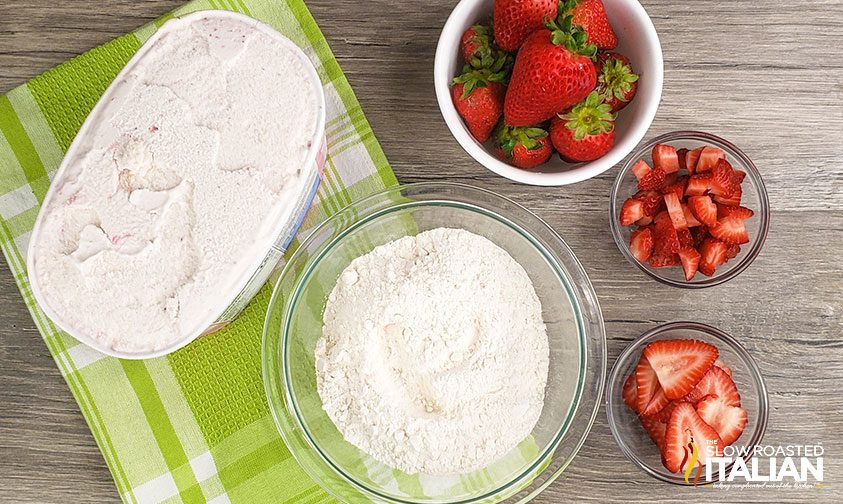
x=766 y=75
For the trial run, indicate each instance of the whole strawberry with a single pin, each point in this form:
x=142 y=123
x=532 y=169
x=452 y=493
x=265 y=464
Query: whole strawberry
x=515 y=20
x=591 y=15
x=616 y=82
x=475 y=42
x=585 y=133
x=478 y=96
x=524 y=147
x=553 y=71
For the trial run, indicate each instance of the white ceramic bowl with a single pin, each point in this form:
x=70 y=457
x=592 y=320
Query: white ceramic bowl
x=638 y=41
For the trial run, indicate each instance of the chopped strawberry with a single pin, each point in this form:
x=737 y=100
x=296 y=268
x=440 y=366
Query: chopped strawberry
x=732 y=251
x=722 y=182
x=733 y=200
x=664 y=234
x=685 y=238
x=691 y=160
x=683 y=427
x=703 y=209
x=644 y=221
x=665 y=158
x=690 y=261
x=740 y=212
x=641 y=169
x=682 y=154
x=713 y=254
x=739 y=175
x=630 y=393
x=676 y=186
x=690 y=218
x=631 y=211
x=730 y=230
x=664 y=260
x=718 y=383
x=728 y=421
x=700 y=234
x=722 y=365
x=698 y=185
x=708 y=158
x=674 y=209
x=654 y=180
x=655 y=429
x=653 y=201
x=646 y=382
x=680 y=364
x=641 y=243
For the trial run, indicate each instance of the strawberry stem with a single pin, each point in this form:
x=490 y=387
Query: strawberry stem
x=508 y=137
x=497 y=71
x=617 y=79
x=590 y=117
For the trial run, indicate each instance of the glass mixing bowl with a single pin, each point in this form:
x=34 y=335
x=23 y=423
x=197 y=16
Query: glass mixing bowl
x=570 y=310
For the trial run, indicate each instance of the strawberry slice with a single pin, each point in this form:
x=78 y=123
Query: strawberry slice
x=657 y=403
x=698 y=185
x=703 y=209
x=646 y=383
x=722 y=365
x=680 y=364
x=708 y=158
x=655 y=429
x=674 y=209
x=700 y=234
x=713 y=254
x=631 y=211
x=692 y=159
x=686 y=239
x=676 y=186
x=667 y=241
x=665 y=158
x=644 y=221
x=664 y=415
x=728 y=421
x=641 y=169
x=630 y=393
x=733 y=200
x=690 y=261
x=739 y=175
x=722 y=182
x=653 y=181
x=730 y=230
x=718 y=383
x=732 y=251
x=682 y=154
x=689 y=216
x=653 y=201
x=641 y=243
x=664 y=260
x=740 y=212
x=683 y=427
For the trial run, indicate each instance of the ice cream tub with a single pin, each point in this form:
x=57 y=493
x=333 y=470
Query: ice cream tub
x=183 y=188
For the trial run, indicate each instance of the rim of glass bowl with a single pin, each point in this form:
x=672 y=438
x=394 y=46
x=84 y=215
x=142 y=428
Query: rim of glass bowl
x=755 y=180
x=528 y=483
x=633 y=349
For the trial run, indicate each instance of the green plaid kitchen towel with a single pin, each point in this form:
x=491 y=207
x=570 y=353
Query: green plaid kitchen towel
x=193 y=426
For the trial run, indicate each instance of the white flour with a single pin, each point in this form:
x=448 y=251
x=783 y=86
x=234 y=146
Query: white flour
x=434 y=355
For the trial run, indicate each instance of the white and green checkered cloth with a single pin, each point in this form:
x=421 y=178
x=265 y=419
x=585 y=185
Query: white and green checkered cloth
x=193 y=426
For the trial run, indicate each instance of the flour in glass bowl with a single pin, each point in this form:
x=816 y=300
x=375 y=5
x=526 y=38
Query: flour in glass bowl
x=434 y=354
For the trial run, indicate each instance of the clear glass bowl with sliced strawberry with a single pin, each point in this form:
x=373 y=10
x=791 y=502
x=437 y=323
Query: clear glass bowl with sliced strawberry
x=689 y=209
x=682 y=386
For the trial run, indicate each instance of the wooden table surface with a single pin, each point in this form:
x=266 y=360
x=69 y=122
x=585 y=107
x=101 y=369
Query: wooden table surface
x=766 y=75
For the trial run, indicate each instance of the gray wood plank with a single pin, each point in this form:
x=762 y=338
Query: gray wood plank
x=779 y=97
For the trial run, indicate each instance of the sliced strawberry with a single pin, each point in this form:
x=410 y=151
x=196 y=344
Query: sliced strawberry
x=680 y=363
x=690 y=218
x=674 y=209
x=732 y=251
x=713 y=254
x=641 y=169
x=641 y=243
x=722 y=365
x=631 y=211
x=676 y=186
x=722 y=182
x=644 y=221
x=655 y=429
x=739 y=175
x=646 y=383
x=730 y=230
x=690 y=261
x=682 y=154
x=700 y=234
x=653 y=181
x=685 y=238
x=728 y=421
x=718 y=383
x=692 y=159
x=708 y=158
x=667 y=242
x=683 y=427
x=630 y=393
x=664 y=415
x=653 y=201
x=664 y=260
x=733 y=200
x=657 y=403
x=665 y=158
x=703 y=209
x=698 y=185
x=740 y=212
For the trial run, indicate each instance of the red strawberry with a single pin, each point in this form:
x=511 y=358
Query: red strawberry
x=616 y=82
x=666 y=158
x=713 y=254
x=730 y=230
x=522 y=147
x=685 y=239
x=722 y=182
x=664 y=234
x=739 y=175
x=690 y=261
x=591 y=15
x=655 y=429
x=728 y=421
x=653 y=201
x=641 y=243
x=478 y=97
x=553 y=71
x=703 y=209
x=690 y=218
x=476 y=42
x=740 y=212
x=698 y=185
x=733 y=200
x=674 y=209
x=691 y=160
x=677 y=186
x=722 y=365
x=700 y=234
x=650 y=399
x=644 y=221
x=718 y=383
x=732 y=251
x=654 y=180
x=683 y=427
x=682 y=154
x=641 y=169
x=708 y=158
x=515 y=20
x=585 y=133
x=632 y=210
x=680 y=364
x=630 y=393
x=663 y=259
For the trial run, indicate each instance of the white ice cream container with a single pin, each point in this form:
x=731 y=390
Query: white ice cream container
x=226 y=305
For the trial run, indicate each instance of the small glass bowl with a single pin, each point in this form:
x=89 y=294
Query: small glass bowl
x=754 y=197
x=631 y=437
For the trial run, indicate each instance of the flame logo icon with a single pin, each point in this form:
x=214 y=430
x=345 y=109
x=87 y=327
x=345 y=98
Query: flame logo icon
x=689 y=467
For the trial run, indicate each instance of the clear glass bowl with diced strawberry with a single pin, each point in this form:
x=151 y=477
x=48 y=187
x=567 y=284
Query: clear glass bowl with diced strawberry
x=689 y=209
x=682 y=393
